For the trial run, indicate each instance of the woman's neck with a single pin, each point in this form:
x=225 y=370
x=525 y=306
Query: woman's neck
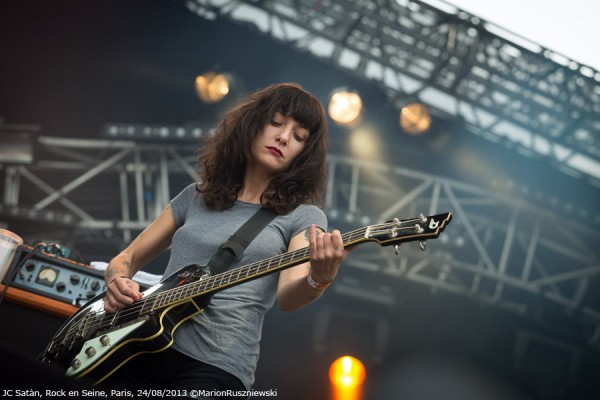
x=249 y=196
x=252 y=188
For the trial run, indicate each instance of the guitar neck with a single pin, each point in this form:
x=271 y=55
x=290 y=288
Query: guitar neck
x=385 y=234
x=246 y=273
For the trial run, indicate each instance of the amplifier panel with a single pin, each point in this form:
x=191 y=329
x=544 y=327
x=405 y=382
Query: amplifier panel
x=55 y=277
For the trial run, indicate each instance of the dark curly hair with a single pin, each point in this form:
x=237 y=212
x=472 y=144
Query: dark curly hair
x=222 y=157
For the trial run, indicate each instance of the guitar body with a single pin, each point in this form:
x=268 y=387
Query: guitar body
x=94 y=344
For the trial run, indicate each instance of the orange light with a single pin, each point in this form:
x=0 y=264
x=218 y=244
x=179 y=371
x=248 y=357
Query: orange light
x=415 y=118
x=347 y=373
x=345 y=107
x=212 y=87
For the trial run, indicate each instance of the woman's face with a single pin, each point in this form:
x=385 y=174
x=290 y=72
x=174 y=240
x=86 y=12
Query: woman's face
x=280 y=142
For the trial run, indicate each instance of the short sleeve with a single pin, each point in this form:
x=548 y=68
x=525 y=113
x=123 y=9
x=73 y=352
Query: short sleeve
x=305 y=215
x=181 y=203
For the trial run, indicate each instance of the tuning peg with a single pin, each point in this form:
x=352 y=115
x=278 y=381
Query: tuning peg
x=422 y=218
x=397 y=249
x=423 y=245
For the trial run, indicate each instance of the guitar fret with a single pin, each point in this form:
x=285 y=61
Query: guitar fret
x=252 y=270
x=146 y=307
x=225 y=279
x=265 y=266
x=239 y=271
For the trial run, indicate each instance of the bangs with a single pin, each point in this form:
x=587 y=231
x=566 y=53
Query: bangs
x=303 y=107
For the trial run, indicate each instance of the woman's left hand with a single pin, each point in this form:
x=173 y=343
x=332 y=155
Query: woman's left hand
x=327 y=253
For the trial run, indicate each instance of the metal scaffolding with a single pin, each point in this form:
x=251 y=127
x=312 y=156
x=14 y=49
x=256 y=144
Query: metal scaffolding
x=513 y=92
x=499 y=249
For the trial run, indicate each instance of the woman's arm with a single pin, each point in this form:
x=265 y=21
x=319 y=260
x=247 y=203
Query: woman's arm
x=155 y=239
x=326 y=255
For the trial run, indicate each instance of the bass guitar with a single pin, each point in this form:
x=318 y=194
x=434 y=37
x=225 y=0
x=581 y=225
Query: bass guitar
x=93 y=343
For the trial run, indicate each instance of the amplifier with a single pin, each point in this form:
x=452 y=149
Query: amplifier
x=54 y=277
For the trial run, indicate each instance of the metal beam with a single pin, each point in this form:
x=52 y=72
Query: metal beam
x=512 y=92
x=500 y=249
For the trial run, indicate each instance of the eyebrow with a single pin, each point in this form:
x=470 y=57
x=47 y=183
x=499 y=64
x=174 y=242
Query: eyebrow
x=300 y=124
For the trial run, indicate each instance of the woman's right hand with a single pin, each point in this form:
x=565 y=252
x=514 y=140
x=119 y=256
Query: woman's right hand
x=120 y=292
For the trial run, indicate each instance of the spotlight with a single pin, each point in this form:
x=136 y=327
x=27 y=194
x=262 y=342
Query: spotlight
x=347 y=373
x=345 y=107
x=212 y=87
x=415 y=118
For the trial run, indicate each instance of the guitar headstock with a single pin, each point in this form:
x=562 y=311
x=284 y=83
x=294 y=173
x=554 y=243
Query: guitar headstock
x=408 y=230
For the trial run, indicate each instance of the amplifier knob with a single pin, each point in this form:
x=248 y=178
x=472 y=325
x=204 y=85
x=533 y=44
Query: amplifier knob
x=95 y=285
x=74 y=279
x=29 y=266
x=60 y=286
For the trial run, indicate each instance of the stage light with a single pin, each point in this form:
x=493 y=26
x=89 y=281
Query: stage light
x=347 y=373
x=415 y=118
x=212 y=87
x=345 y=107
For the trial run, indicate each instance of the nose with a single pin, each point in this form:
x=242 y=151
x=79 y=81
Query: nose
x=284 y=135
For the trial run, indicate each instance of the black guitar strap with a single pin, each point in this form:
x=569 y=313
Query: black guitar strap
x=233 y=248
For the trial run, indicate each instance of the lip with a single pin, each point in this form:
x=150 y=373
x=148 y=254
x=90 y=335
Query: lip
x=276 y=151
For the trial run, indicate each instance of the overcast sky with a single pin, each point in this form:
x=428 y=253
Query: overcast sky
x=569 y=27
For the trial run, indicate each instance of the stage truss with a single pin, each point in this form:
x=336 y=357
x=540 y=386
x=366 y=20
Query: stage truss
x=498 y=250
x=514 y=92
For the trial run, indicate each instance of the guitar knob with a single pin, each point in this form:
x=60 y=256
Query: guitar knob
x=75 y=363
x=104 y=340
x=423 y=245
x=90 y=351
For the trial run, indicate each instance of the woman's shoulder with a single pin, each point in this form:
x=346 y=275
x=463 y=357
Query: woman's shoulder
x=189 y=190
x=187 y=195
x=301 y=217
x=308 y=209
x=308 y=213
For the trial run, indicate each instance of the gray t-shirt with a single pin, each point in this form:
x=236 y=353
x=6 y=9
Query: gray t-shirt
x=227 y=332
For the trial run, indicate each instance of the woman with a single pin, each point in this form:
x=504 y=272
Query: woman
x=268 y=151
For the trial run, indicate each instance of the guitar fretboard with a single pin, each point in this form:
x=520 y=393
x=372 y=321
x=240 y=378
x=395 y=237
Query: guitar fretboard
x=247 y=272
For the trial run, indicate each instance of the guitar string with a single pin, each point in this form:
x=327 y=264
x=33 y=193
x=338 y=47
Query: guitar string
x=215 y=281
x=205 y=285
x=138 y=307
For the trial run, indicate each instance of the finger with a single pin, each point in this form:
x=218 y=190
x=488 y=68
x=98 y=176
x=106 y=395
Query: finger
x=133 y=289
x=329 y=246
x=125 y=291
x=338 y=242
x=108 y=306
x=312 y=238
